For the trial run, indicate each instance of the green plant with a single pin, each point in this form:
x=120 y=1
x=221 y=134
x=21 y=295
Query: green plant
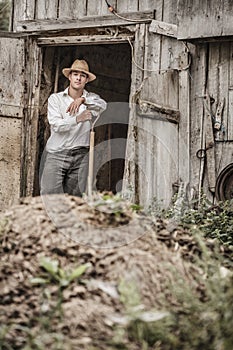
x=200 y=316
x=56 y=274
x=43 y=334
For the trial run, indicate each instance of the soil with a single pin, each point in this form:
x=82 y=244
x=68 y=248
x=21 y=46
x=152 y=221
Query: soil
x=123 y=249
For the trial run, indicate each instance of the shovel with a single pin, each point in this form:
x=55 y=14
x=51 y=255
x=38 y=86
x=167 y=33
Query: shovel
x=91 y=160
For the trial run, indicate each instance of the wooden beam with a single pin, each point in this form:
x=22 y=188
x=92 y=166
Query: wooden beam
x=11 y=111
x=148 y=109
x=44 y=25
x=163 y=28
x=4 y=34
x=82 y=40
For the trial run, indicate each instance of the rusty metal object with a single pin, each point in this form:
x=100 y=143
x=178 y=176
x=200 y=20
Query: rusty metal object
x=224 y=184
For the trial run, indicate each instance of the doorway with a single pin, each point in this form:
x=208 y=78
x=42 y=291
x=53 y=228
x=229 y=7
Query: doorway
x=111 y=63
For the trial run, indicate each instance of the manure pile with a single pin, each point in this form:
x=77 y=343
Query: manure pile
x=124 y=250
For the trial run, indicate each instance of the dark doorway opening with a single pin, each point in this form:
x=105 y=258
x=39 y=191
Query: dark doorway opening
x=112 y=65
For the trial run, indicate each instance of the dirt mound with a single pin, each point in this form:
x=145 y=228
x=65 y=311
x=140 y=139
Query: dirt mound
x=125 y=252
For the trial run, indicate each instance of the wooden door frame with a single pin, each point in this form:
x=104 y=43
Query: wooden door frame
x=30 y=179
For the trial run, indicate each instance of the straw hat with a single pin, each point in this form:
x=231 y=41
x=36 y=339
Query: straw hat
x=80 y=65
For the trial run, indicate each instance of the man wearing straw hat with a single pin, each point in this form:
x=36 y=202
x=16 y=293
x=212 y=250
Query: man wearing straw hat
x=70 y=114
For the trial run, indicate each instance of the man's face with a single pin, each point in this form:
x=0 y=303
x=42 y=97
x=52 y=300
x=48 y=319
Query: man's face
x=78 y=80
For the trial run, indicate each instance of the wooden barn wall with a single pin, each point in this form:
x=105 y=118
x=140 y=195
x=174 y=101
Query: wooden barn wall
x=211 y=74
x=62 y=9
x=159 y=54
x=204 y=18
x=220 y=88
x=12 y=57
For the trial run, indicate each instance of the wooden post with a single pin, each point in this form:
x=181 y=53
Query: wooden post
x=57 y=71
x=91 y=164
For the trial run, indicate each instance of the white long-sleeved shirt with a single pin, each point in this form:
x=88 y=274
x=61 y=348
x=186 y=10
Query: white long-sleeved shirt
x=66 y=133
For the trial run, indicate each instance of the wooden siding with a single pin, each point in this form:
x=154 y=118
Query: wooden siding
x=219 y=83
x=12 y=77
x=211 y=75
x=10 y=151
x=31 y=15
x=201 y=19
x=50 y=9
x=12 y=56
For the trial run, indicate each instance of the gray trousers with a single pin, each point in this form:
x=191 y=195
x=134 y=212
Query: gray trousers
x=65 y=172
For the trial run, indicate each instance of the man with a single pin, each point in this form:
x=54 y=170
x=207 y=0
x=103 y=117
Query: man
x=70 y=113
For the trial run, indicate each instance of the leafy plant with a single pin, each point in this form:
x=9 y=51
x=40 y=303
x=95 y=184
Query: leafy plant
x=200 y=317
x=58 y=275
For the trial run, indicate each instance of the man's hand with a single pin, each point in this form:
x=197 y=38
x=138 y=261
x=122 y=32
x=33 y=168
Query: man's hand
x=74 y=106
x=84 y=116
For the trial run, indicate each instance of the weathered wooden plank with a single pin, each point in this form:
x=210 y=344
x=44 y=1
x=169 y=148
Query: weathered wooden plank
x=230 y=102
x=162 y=90
x=146 y=140
x=94 y=7
x=184 y=126
x=19 y=35
x=149 y=109
x=11 y=66
x=127 y=5
x=231 y=67
x=170 y=11
x=98 y=7
x=170 y=54
x=131 y=173
x=163 y=28
x=30 y=123
x=47 y=9
x=11 y=111
x=83 y=40
x=223 y=86
x=213 y=73
x=154 y=57
x=197 y=19
x=159 y=10
x=72 y=9
x=10 y=144
x=198 y=88
x=218 y=82
x=46 y=87
x=43 y=25
x=23 y=10
x=230 y=115
x=148 y=5
x=167 y=161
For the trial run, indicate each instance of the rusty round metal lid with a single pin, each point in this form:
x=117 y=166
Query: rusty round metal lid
x=224 y=184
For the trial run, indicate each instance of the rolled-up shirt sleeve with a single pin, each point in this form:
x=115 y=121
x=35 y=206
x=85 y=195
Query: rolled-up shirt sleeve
x=55 y=118
x=95 y=104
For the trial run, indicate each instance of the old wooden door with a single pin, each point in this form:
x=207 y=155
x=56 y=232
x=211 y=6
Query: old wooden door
x=158 y=141
x=18 y=117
